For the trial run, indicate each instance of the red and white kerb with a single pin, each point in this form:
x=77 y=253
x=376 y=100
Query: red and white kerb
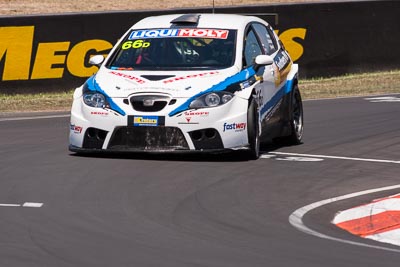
x=378 y=220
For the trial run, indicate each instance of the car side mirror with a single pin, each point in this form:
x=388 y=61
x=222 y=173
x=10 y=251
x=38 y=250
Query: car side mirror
x=264 y=60
x=96 y=60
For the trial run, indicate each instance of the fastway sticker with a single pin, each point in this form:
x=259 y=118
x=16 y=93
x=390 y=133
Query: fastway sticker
x=237 y=127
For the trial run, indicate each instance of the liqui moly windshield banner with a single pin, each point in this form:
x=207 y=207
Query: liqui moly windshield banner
x=161 y=33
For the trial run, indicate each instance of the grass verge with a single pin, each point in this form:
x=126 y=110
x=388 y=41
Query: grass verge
x=36 y=102
x=350 y=85
x=385 y=82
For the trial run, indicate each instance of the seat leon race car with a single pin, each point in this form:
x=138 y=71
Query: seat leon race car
x=194 y=82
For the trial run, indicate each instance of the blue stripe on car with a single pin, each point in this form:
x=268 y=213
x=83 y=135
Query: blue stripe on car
x=286 y=89
x=239 y=77
x=93 y=86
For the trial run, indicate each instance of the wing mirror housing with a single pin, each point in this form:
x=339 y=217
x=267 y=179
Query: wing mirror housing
x=264 y=60
x=96 y=60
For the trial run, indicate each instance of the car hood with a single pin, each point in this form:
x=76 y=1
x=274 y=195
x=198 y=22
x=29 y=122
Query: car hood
x=122 y=83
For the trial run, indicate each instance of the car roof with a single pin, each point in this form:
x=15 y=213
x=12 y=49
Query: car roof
x=222 y=21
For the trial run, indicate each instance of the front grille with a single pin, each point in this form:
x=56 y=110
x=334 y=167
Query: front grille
x=149 y=103
x=148 y=138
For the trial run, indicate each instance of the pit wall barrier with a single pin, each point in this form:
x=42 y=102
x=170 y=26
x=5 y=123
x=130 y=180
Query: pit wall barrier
x=51 y=52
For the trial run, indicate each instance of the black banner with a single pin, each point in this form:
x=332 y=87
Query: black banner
x=51 y=52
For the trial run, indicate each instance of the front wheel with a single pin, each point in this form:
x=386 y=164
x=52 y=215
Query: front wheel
x=253 y=130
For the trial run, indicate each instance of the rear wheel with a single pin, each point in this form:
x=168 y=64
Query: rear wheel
x=253 y=130
x=296 y=119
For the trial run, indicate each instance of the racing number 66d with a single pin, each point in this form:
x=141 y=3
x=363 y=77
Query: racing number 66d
x=136 y=44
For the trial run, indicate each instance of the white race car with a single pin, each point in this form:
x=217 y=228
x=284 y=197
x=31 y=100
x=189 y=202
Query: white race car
x=194 y=82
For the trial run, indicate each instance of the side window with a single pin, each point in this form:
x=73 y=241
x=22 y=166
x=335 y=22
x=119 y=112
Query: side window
x=267 y=39
x=251 y=48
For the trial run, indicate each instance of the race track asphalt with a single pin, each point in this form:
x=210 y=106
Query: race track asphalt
x=184 y=211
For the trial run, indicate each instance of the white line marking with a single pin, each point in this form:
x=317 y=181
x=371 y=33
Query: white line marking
x=300 y=159
x=10 y=205
x=267 y=156
x=34 y=118
x=336 y=157
x=296 y=218
x=25 y=205
x=383 y=99
x=32 y=205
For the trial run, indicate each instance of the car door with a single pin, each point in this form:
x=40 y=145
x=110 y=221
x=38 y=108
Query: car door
x=258 y=42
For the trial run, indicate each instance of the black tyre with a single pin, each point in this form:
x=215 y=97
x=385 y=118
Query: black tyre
x=296 y=119
x=253 y=130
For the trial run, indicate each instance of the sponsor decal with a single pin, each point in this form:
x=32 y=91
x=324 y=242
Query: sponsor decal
x=160 y=33
x=196 y=113
x=252 y=80
x=188 y=115
x=281 y=66
x=210 y=73
x=127 y=76
x=237 y=127
x=146 y=120
x=20 y=49
x=281 y=60
x=272 y=110
x=76 y=129
x=101 y=113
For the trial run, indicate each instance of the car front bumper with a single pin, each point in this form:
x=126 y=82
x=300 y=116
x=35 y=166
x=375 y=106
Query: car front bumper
x=209 y=129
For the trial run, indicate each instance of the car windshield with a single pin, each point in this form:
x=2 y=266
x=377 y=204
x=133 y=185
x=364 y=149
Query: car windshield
x=165 y=49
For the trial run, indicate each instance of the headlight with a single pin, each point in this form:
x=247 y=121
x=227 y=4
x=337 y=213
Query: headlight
x=226 y=98
x=211 y=100
x=94 y=99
